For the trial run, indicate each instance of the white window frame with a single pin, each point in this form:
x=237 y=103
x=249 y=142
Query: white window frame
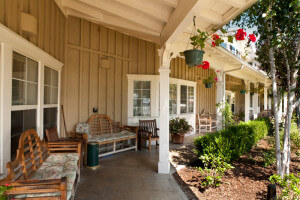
x=11 y=42
x=154 y=97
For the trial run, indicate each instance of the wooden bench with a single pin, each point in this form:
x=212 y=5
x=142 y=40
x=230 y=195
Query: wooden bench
x=104 y=131
x=42 y=171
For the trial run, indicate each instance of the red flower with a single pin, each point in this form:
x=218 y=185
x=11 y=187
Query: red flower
x=213 y=44
x=199 y=65
x=205 y=64
x=216 y=79
x=252 y=37
x=241 y=34
x=217 y=70
x=7 y=184
x=215 y=36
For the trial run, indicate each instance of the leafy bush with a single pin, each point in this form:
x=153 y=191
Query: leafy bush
x=269 y=123
x=214 y=170
x=289 y=184
x=232 y=142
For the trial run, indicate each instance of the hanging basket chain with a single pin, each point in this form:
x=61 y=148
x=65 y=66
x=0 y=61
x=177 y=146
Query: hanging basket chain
x=193 y=31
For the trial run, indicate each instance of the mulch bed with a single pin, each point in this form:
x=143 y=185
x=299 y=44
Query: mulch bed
x=248 y=180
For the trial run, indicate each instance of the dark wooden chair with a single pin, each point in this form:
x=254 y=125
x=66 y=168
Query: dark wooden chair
x=148 y=131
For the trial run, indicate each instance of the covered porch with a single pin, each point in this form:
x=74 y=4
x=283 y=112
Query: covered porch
x=99 y=50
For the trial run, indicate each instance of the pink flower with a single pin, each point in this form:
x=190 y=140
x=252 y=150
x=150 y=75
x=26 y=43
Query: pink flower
x=216 y=79
x=217 y=70
x=215 y=36
x=241 y=34
x=7 y=184
x=205 y=65
x=213 y=44
x=252 y=37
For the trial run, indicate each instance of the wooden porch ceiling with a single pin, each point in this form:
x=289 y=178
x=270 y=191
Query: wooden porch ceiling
x=158 y=21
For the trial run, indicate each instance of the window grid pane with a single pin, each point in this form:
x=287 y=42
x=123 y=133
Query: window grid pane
x=50 y=86
x=24 y=80
x=190 y=99
x=141 y=98
x=183 y=99
x=173 y=99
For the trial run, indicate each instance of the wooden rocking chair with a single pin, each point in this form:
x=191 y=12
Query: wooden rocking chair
x=148 y=131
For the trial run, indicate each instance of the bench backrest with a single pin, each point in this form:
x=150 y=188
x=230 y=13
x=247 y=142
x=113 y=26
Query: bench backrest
x=31 y=153
x=100 y=124
x=149 y=126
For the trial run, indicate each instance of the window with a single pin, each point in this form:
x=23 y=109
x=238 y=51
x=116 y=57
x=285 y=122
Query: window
x=238 y=54
x=50 y=97
x=191 y=99
x=223 y=45
x=24 y=80
x=173 y=99
x=183 y=99
x=50 y=86
x=186 y=99
x=24 y=97
x=141 y=98
x=232 y=49
x=251 y=100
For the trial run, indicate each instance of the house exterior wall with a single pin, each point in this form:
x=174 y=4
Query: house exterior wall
x=51 y=23
x=88 y=83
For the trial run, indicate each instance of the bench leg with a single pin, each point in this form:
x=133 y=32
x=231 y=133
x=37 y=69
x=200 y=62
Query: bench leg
x=156 y=144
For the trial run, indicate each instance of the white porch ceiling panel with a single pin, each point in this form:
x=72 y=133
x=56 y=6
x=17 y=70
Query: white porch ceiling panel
x=158 y=21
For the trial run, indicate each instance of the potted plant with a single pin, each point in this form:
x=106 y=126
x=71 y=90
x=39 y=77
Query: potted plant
x=194 y=56
x=243 y=91
x=208 y=82
x=178 y=127
x=3 y=189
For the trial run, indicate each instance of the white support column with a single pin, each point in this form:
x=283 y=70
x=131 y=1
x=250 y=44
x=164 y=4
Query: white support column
x=247 y=100
x=270 y=103
x=255 y=102
x=5 y=104
x=220 y=97
x=265 y=98
x=164 y=73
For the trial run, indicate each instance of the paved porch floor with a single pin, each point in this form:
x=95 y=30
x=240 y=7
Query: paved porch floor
x=128 y=175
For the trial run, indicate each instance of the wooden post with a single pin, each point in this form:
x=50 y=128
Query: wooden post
x=271 y=192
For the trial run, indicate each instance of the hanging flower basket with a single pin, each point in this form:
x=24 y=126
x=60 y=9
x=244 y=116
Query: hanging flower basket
x=208 y=85
x=243 y=91
x=193 y=57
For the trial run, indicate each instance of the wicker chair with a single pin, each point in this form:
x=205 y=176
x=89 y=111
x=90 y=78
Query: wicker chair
x=148 y=132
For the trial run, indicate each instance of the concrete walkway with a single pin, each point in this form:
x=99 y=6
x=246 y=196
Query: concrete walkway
x=129 y=175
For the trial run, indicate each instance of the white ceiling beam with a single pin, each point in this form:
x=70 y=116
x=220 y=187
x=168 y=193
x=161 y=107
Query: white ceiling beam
x=120 y=25
x=211 y=17
x=125 y=12
x=181 y=18
x=61 y=7
x=83 y=8
x=150 y=8
x=235 y=3
x=171 y=3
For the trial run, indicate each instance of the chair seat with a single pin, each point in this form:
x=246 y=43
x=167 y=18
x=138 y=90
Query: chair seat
x=110 y=137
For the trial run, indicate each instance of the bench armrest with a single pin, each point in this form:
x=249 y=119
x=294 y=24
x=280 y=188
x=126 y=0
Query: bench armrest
x=65 y=147
x=38 y=187
x=134 y=129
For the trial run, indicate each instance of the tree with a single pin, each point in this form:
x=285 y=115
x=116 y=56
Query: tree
x=277 y=23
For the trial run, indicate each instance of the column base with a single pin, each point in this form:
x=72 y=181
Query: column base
x=164 y=167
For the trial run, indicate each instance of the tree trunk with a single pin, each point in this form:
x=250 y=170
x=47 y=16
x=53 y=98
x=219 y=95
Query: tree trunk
x=275 y=110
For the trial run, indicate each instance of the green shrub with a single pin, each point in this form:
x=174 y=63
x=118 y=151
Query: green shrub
x=213 y=171
x=289 y=185
x=232 y=142
x=269 y=123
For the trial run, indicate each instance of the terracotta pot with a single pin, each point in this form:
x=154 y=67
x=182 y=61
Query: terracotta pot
x=177 y=139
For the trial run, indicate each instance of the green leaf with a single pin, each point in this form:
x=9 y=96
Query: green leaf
x=230 y=39
x=223 y=30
